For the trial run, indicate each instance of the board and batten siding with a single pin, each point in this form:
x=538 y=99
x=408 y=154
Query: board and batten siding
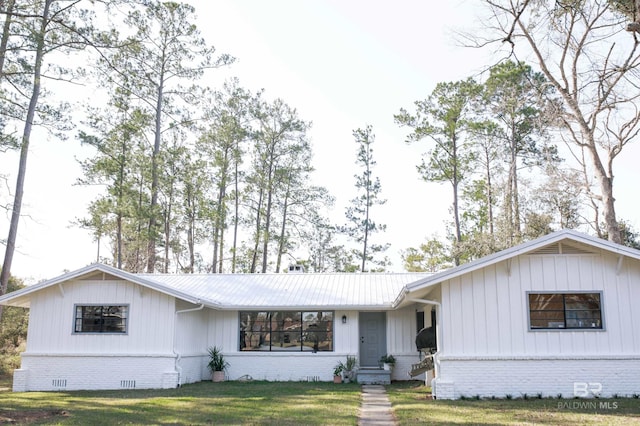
x=51 y=319
x=59 y=359
x=487 y=313
x=489 y=349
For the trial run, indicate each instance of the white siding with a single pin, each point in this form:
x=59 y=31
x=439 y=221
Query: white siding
x=486 y=312
x=224 y=333
x=51 y=319
x=401 y=339
x=59 y=359
x=489 y=349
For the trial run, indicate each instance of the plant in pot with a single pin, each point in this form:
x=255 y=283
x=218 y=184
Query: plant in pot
x=337 y=372
x=388 y=361
x=349 y=369
x=217 y=364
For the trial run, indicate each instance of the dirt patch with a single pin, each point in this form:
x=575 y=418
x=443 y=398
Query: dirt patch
x=29 y=416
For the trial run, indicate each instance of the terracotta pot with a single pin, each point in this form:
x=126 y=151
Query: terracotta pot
x=337 y=379
x=218 y=376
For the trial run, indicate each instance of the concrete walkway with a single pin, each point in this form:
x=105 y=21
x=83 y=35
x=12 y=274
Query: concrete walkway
x=376 y=408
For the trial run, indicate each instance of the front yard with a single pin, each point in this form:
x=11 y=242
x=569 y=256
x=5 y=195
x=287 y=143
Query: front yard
x=411 y=407
x=290 y=403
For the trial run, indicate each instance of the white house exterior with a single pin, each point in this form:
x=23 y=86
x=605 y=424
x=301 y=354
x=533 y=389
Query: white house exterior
x=492 y=338
x=552 y=316
x=167 y=322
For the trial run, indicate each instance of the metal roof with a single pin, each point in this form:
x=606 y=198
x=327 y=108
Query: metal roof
x=364 y=291
x=283 y=291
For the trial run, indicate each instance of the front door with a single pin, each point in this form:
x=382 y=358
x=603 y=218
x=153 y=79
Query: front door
x=373 y=338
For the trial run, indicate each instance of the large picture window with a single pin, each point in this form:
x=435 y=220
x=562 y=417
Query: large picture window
x=286 y=331
x=101 y=318
x=565 y=311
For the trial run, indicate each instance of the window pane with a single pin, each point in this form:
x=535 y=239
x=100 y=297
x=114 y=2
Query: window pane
x=571 y=310
x=317 y=331
x=254 y=329
x=582 y=301
x=539 y=302
x=286 y=331
x=101 y=319
x=547 y=319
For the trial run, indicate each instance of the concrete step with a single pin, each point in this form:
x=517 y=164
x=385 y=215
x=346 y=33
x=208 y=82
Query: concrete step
x=373 y=376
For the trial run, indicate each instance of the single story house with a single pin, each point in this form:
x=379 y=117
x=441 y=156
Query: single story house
x=553 y=316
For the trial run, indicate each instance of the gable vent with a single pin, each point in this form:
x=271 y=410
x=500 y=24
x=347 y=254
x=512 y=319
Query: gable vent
x=127 y=384
x=561 y=248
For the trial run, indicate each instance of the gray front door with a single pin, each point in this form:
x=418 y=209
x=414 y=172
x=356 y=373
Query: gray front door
x=373 y=338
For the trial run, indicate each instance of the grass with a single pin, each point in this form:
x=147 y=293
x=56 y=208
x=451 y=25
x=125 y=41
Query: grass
x=411 y=406
x=294 y=403
x=238 y=403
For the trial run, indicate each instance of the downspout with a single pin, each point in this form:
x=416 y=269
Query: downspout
x=175 y=329
x=438 y=305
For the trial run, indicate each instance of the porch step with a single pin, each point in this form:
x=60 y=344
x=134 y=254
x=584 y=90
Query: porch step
x=374 y=376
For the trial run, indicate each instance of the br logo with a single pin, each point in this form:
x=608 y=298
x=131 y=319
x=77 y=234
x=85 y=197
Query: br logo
x=585 y=390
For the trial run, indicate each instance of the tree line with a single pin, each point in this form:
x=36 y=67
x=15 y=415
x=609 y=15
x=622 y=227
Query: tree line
x=201 y=179
x=191 y=178
x=528 y=151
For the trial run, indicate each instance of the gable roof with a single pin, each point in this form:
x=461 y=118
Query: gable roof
x=529 y=247
x=21 y=297
x=364 y=291
x=251 y=291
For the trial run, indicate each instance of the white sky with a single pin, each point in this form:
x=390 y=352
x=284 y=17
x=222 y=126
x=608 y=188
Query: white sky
x=343 y=65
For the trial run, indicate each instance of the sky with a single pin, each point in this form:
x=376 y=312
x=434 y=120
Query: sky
x=342 y=64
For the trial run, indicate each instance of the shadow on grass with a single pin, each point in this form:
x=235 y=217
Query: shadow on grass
x=200 y=403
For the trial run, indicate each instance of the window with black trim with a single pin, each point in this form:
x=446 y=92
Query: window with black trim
x=101 y=318
x=565 y=311
x=286 y=331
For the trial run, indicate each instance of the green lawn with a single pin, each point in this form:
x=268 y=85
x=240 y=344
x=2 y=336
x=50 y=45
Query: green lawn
x=411 y=407
x=264 y=403
x=293 y=403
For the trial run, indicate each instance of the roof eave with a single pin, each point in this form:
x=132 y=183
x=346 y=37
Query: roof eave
x=98 y=267
x=520 y=249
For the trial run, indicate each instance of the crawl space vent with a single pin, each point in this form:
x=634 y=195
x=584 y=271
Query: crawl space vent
x=127 y=384
x=59 y=383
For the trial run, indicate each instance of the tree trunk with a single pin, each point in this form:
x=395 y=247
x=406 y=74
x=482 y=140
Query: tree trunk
x=267 y=225
x=283 y=227
x=254 y=257
x=236 y=215
x=24 y=152
x=5 y=35
x=151 y=260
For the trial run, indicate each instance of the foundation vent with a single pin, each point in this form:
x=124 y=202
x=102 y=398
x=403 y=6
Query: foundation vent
x=312 y=378
x=127 y=384
x=59 y=383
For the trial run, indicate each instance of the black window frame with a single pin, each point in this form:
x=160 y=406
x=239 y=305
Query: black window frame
x=102 y=323
x=307 y=339
x=572 y=318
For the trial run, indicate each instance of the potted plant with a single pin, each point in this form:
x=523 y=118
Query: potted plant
x=388 y=361
x=337 y=372
x=348 y=369
x=217 y=364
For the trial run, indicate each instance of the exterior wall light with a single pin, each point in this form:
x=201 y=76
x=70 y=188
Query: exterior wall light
x=344 y=319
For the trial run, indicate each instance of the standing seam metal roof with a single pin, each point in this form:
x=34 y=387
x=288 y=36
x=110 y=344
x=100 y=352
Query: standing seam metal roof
x=238 y=291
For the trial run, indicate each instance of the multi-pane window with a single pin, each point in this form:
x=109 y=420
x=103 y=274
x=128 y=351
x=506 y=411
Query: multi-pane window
x=101 y=318
x=565 y=310
x=286 y=331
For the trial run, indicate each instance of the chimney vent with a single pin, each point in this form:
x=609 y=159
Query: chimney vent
x=296 y=269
